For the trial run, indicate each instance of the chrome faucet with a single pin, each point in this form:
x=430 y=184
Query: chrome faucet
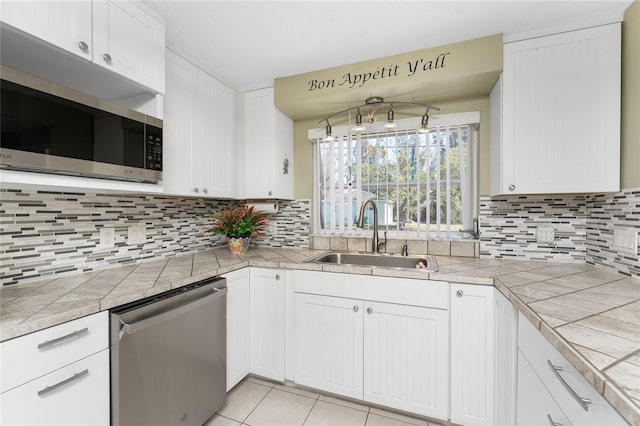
x=375 y=244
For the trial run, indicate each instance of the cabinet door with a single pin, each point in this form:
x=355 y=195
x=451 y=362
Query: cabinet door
x=81 y=397
x=212 y=150
x=268 y=148
x=283 y=167
x=130 y=42
x=328 y=343
x=238 y=326
x=267 y=323
x=65 y=24
x=259 y=140
x=472 y=354
x=406 y=358
x=535 y=405
x=561 y=114
x=506 y=360
x=177 y=124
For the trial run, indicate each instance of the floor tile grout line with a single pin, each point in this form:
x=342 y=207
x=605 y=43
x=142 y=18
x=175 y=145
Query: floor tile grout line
x=317 y=398
x=310 y=411
x=259 y=402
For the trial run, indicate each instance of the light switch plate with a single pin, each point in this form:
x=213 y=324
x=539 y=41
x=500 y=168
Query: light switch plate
x=545 y=234
x=626 y=240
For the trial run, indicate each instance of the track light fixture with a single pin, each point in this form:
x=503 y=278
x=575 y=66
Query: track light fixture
x=329 y=136
x=359 y=126
x=372 y=103
x=390 y=124
x=425 y=121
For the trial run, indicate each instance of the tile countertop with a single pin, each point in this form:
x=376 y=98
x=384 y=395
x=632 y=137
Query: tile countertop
x=591 y=315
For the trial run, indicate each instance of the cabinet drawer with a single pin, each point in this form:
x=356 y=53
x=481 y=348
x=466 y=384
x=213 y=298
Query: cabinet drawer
x=77 y=394
x=34 y=355
x=535 y=405
x=565 y=384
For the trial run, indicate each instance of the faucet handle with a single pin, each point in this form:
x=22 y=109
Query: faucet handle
x=384 y=243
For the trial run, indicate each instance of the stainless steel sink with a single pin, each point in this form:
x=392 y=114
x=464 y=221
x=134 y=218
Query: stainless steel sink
x=428 y=263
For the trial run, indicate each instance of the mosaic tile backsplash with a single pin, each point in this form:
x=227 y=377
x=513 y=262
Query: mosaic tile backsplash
x=583 y=226
x=46 y=234
x=606 y=213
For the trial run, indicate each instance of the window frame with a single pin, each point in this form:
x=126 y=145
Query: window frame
x=471 y=118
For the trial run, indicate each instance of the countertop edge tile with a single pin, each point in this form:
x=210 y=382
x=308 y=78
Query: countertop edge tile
x=462 y=279
x=525 y=310
x=24 y=328
x=584 y=367
x=622 y=403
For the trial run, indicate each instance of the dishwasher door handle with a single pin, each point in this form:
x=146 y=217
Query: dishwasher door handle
x=134 y=327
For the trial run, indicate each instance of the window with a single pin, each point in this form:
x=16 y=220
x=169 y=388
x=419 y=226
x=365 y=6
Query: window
x=423 y=184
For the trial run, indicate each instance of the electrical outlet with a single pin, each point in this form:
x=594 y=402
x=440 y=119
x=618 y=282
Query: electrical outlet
x=545 y=234
x=273 y=228
x=107 y=237
x=137 y=234
x=626 y=240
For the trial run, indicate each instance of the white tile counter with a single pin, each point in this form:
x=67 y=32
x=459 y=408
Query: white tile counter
x=591 y=315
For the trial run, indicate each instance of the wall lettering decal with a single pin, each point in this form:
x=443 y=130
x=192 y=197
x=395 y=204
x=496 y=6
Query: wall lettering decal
x=358 y=80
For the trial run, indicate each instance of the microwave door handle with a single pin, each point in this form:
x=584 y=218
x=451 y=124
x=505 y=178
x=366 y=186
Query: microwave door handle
x=134 y=327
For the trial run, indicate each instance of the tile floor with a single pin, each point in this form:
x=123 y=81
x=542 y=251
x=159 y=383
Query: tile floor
x=258 y=402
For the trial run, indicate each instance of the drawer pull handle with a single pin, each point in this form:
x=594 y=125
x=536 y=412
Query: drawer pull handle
x=71 y=335
x=551 y=422
x=76 y=376
x=584 y=402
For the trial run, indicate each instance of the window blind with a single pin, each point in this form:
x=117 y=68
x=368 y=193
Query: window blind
x=422 y=183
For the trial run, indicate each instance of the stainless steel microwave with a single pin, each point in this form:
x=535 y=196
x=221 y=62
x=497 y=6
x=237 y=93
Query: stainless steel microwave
x=54 y=129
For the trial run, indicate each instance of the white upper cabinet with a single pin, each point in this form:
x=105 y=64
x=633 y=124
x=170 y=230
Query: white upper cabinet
x=66 y=24
x=267 y=148
x=560 y=114
x=130 y=42
x=198 y=132
x=122 y=36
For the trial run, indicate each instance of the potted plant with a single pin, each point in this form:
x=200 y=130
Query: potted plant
x=238 y=224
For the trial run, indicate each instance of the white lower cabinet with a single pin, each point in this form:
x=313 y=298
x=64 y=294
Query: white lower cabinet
x=566 y=387
x=268 y=325
x=57 y=376
x=328 y=343
x=472 y=354
x=506 y=360
x=406 y=358
x=536 y=406
x=77 y=394
x=238 y=326
x=350 y=342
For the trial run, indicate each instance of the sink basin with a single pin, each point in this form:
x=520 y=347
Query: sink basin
x=427 y=263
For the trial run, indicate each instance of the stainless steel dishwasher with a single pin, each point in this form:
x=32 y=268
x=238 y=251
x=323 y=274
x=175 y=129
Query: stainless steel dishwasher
x=168 y=356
